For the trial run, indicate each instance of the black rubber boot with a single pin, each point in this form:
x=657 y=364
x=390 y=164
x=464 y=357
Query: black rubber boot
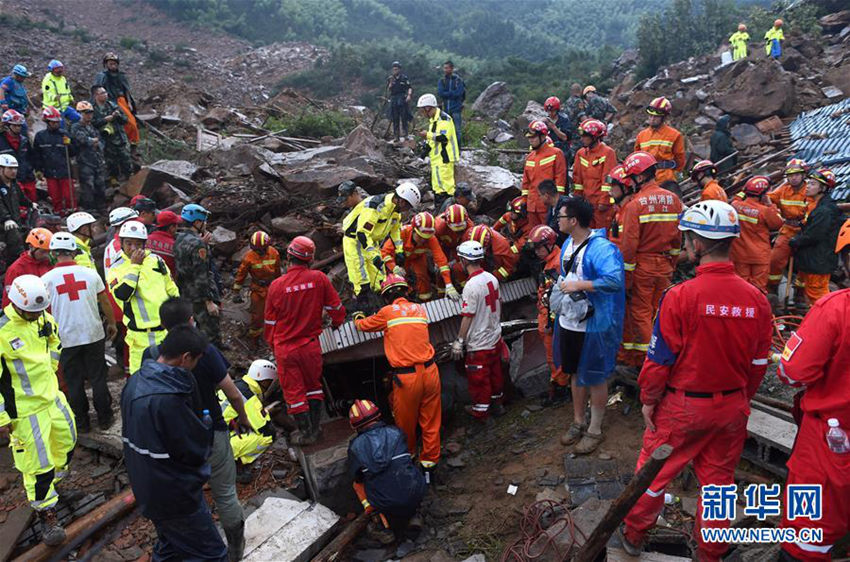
x=235 y=542
x=52 y=533
x=304 y=434
x=316 y=418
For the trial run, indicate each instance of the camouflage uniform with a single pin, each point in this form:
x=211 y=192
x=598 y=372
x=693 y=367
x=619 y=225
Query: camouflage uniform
x=116 y=147
x=574 y=108
x=196 y=280
x=598 y=107
x=92 y=169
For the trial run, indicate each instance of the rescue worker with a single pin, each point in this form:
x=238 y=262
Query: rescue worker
x=362 y=274
x=75 y=292
x=574 y=108
x=703 y=175
x=385 y=479
x=56 y=92
x=722 y=149
x=34 y=413
x=415 y=396
x=560 y=127
x=146 y=208
x=543 y=241
x=398 y=94
x=622 y=191
x=758 y=218
x=709 y=353
x=814 y=246
x=15 y=142
x=51 y=150
x=544 y=162
x=14 y=92
x=80 y=225
x=479 y=342
x=500 y=257
x=140 y=282
x=464 y=196
x=421 y=248
x=195 y=275
x=596 y=106
x=650 y=243
x=663 y=142
x=11 y=198
x=513 y=224
x=739 y=40
x=593 y=163
x=554 y=201
x=773 y=39
x=118 y=87
x=90 y=162
x=161 y=240
x=110 y=120
x=793 y=204
x=35 y=260
x=262 y=263
x=444 y=151
x=248 y=446
x=117 y=217
x=450 y=230
x=452 y=93
x=293 y=321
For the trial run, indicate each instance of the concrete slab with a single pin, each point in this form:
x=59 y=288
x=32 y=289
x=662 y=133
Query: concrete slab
x=778 y=432
x=284 y=529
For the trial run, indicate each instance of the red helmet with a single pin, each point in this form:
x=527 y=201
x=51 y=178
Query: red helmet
x=423 y=225
x=659 y=106
x=537 y=127
x=363 y=413
x=301 y=248
x=542 y=234
x=456 y=217
x=824 y=176
x=703 y=167
x=638 y=162
x=12 y=117
x=392 y=281
x=517 y=205
x=260 y=239
x=479 y=233
x=552 y=103
x=796 y=166
x=594 y=128
x=618 y=175
x=50 y=113
x=757 y=186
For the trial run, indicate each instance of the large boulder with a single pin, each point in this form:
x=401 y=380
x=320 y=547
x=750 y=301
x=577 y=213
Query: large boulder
x=290 y=225
x=362 y=141
x=757 y=91
x=176 y=173
x=495 y=101
x=493 y=186
x=747 y=135
x=223 y=241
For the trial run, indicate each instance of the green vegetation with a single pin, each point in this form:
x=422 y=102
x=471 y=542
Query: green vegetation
x=130 y=43
x=313 y=124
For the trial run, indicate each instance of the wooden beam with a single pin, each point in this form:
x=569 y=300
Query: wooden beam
x=17 y=521
x=335 y=547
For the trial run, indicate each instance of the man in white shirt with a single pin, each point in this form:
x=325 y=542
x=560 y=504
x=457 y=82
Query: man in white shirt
x=480 y=334
x=75 y=292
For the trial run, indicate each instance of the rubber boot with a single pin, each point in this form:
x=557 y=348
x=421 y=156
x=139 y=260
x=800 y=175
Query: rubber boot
x=235 y=542
x=304 y=434
x=316 y=418
x=52 y=533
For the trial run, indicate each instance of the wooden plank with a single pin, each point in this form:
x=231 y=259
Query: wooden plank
x=777 y=432
x=17 y=521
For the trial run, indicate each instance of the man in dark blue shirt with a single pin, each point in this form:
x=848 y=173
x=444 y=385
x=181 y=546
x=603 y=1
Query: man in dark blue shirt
x=452 y=92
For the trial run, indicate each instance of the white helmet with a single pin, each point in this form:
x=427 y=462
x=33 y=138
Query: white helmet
x=471 y=250
x=63 y=241
x=711 y=219
x=120 y=214
x=8 y=161
x=28 y=293
x=133 y=229
x=262 y=370
x=76 y=221
x=409 y=193
x=427 y=100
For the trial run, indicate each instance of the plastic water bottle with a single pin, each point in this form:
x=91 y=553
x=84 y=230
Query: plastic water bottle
x=836 y=438
x=207 y=419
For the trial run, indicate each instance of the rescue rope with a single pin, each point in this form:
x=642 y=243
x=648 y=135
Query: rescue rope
x=542 y=523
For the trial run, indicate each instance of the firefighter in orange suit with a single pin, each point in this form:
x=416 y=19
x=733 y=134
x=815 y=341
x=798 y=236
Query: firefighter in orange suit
x=415 y=397
x=663 y=142
x=758 y=218
x=451 y=228
x=650 y=243
x=593 y=162
x=500 y=257
x=419 y=240
x=793 y=204
x=545 y=162
x=262 y=262
x=543 y=242
x=621 y=188
x=703 y=174
x=513 y=225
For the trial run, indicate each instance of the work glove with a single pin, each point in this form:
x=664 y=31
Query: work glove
x=399 y=259
x=398 y=270
x=66 y=140
x=378 y=262
x=452 y=293
x=442 y=139
x=358 y=316
x=457 y=349
x=10 y=225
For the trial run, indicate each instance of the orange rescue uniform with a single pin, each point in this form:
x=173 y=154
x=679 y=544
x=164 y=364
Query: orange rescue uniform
x=713 y=192
x=590 y=168
x=416 y=261
x=650 y=242
x=516 y=231
x=551 y=268
x=263 y=269
x=751 y=252
x=793 y=205
x=667 y=145
x=415 y=398
x=544 y=163
x=502 y=257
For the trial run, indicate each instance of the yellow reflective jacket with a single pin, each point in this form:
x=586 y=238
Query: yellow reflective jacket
x=440 y=125
x=84 y=258
x=141 y=289
x=770 y=35
x=29 y=355
x=56 y=92
x=252 y=394
x=739 y=37
x=378 y=220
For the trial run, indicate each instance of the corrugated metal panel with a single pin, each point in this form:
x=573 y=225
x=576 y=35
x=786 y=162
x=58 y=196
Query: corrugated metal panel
x=833 y=151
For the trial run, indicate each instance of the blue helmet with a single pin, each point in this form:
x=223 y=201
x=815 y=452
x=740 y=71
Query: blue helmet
x=194 y=212
x=20 y=70
x=54 y=64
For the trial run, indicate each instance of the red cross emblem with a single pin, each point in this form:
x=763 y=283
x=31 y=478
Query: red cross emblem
x=71 y=287
x=492 y=296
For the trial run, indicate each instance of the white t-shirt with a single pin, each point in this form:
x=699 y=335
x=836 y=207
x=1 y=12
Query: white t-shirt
x=110 y=254
x=73 y=293
x=481 y=302
x=572 y=312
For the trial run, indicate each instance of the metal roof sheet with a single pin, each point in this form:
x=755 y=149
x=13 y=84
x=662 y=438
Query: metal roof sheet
x=833 y=151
